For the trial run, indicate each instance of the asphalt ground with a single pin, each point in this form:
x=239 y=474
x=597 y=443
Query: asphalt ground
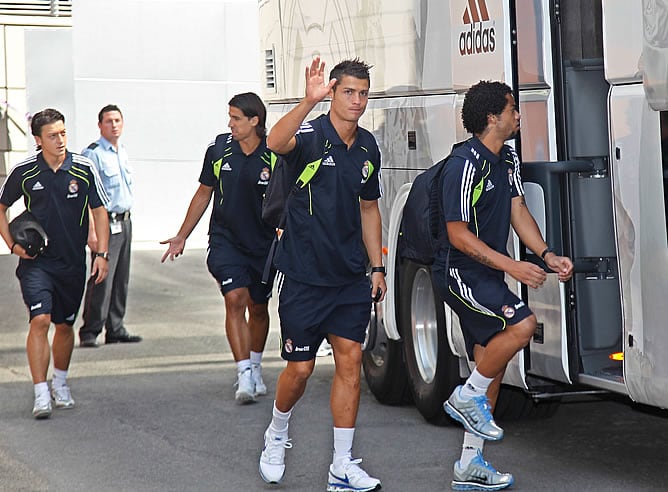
x=160 y=415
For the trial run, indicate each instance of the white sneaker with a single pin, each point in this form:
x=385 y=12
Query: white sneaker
x=42 y=407
x=260 y=387
x=62 y=397
x=348 y=476
x=245 y=388
x=325 y=349
x=272 y=459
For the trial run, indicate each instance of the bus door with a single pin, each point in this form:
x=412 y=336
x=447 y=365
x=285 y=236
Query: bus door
x=568 y=189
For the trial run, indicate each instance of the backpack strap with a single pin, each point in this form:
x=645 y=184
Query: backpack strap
x=219 y=153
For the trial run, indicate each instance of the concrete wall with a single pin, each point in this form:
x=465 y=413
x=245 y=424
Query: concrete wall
x=171 y=66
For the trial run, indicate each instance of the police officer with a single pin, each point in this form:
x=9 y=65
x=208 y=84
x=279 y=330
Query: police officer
x=104 y=303
x=333 y=228
x=236 y=171
x=57 y=187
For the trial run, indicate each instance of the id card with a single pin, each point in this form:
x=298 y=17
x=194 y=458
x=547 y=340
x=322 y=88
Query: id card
x=116 y=227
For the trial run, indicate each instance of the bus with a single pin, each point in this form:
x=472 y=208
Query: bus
x=591 y=78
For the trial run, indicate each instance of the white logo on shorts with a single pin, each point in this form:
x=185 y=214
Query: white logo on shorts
x=36 y=306
x=226 y=281
x=288 y=346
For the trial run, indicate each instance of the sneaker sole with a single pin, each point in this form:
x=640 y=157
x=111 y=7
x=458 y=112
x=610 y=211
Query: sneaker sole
x=42 y=414
x=347 y=488
x=455 y=414
x=64 y=406
x=244 y=398
x=478 y=486
x=272 y=482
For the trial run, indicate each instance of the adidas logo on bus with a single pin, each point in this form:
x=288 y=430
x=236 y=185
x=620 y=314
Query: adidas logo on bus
x=481 y=37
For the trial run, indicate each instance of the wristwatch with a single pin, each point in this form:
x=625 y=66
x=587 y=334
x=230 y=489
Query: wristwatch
x=546 y=251
x=378 y=269
x=102 y=254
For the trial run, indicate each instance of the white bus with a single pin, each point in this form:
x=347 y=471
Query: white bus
x=591 y=78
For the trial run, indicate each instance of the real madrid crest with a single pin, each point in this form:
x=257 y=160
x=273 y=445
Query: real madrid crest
x=510 y=177
x=365 y=171
x=288 y=346
x=73 y=187
x=265 y=174
x=508 y=311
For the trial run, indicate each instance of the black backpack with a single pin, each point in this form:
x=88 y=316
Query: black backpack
x=282 y=185
x=422 y=229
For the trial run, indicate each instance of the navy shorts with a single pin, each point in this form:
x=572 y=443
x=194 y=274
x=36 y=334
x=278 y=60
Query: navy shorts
x=308 y=313
x=482 y=300
x=47 y=293
x=233 y=270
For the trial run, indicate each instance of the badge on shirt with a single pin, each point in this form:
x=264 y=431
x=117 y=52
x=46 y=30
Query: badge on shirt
x=264 y=176
x=73 y=189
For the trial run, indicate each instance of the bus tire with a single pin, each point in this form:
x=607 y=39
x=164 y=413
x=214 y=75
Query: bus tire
x=383 y=365
x=433 y=371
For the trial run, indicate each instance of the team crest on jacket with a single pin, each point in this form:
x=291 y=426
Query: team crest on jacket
x=510 y=177
x=365 y=171
x=264 y=176
x=73 y=189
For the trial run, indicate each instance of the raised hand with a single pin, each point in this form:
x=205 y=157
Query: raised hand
x=316 y=88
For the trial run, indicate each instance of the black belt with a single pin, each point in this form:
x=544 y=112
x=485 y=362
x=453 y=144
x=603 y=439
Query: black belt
x=116 y=216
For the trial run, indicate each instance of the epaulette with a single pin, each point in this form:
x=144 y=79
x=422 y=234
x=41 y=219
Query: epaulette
x=93 y=145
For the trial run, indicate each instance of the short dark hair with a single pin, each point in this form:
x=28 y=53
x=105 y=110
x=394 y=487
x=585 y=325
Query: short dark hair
x=251 y=105
x=108 y=108
x=353 y=68
x=44 y=117
x=481 y=100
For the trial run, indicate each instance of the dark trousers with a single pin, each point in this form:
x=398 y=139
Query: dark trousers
x=104 y=304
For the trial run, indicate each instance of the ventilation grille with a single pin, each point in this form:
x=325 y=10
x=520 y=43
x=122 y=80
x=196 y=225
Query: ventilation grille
x=44 y=8
x=269 y=70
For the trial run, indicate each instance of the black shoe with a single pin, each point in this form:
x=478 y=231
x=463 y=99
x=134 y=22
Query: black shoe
x=127 y=338
x=90 y=343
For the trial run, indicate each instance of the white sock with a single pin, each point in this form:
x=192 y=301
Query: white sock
x=343 y=443
x=59 y=378
x=475 y=385
x=470 y=447
x=256 y=358
x=279 y=421
x=242 y=365
x=41 y=389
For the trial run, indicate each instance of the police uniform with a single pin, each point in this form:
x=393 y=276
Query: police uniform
x=478 y=293
x=324 y=289
x=104 y=304
x=238 y=238
x=53 y=282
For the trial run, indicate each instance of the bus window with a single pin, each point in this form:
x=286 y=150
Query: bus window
x=529 y=42
x=664 y=159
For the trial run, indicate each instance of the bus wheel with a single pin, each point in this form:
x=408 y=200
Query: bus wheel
x=383 y=365
x=433 y=371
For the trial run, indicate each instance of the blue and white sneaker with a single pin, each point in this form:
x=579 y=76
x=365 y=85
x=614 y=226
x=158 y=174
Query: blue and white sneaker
x=272 y=459
x=348 y=476
x=474 y=413
x=480 y=475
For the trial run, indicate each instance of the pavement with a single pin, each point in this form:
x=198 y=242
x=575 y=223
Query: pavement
x=160 y=415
